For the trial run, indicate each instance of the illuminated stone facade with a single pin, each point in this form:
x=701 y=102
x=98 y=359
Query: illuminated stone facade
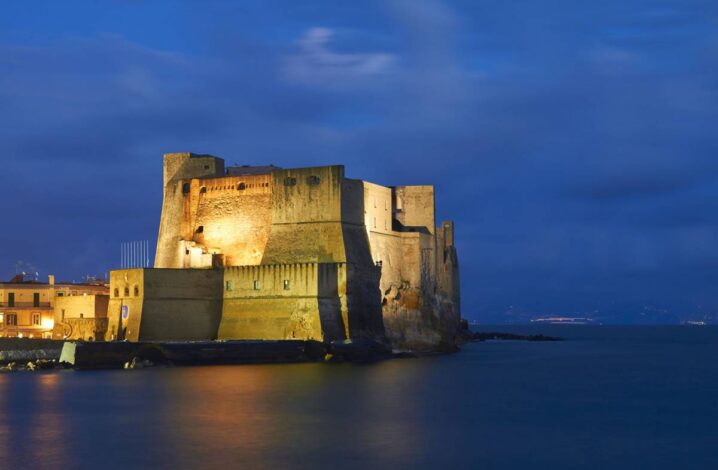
x=302 y=253
x=27 y=307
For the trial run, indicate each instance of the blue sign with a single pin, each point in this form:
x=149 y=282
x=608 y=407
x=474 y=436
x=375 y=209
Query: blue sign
x=125 y=312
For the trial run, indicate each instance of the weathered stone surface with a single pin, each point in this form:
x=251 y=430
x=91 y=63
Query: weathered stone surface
x=307 y=254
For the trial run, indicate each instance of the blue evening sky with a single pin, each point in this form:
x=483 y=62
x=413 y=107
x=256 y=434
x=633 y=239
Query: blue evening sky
x=573 y=142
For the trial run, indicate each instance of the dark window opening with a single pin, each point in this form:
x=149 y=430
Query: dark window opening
x=242 y=186
x=255 y=285
x=203 y=189
x=137 y=291
x=313 y=180
x=117 y=292
x=11 y=299
x=206 y=167
x=186 y=252
x=289 y=181
x=36 y=299
x=127 y=291
x=200 y=229
x=185 y=188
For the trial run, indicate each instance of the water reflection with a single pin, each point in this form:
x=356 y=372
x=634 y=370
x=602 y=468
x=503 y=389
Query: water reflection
x=518 y=405
x=47 y=424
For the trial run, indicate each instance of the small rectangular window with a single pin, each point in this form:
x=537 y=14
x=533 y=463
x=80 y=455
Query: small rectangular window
x=35 y=318
x=36 y=299
x=255 y=285
x=229 y=286
x=286 y=284
x=11 y=300
x=60 y=294
x=11 y=319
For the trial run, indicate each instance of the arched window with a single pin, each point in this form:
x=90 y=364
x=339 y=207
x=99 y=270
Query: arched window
x=200 y=229
x=185 y=188
x=137 y=291
x=203 y=189
x=127 y=291
x=241 y=186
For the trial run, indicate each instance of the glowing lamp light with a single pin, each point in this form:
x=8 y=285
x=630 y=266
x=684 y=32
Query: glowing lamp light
x=48 y=323
x=19 y=335
x=2 y=317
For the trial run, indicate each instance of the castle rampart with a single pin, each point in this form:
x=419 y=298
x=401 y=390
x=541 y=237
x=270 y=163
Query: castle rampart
x=307 y=253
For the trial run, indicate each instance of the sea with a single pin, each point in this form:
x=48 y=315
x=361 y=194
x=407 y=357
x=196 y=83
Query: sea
x=607 y=397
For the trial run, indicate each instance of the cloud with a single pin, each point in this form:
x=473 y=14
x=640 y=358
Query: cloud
x=315 y=63
x=572 y=142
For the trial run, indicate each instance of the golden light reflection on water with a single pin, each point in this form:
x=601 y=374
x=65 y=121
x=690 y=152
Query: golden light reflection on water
x=268 y=414
x=47 y=427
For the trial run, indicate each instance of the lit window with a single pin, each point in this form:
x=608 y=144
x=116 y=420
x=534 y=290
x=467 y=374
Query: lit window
x=35 y=318
x=60 y=294
x=11 y=319
x=255 y=285
x=286 y=284
x=229 y=285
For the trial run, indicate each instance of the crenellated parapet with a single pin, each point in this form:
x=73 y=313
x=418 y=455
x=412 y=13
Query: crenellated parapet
x=308 y=253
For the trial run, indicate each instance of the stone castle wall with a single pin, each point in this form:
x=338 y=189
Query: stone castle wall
x=393 y=271
x=164 y=304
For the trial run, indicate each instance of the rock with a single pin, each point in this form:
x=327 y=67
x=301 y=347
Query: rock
x=137 y=363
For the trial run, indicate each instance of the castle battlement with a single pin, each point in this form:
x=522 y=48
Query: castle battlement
x=308 y=253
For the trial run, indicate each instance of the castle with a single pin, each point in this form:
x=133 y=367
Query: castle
x=304 y=253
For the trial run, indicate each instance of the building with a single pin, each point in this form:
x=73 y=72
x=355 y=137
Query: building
x=300 y=253
x=27 y=306
x=81 y=317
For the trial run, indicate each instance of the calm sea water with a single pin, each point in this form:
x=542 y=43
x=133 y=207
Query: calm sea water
x=607 y=398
